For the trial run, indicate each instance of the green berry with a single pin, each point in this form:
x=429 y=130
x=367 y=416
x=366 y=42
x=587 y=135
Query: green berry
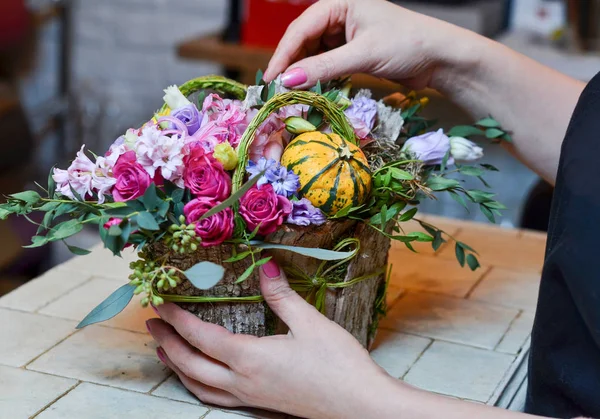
x=144 y=302
x=171 y=272
x=156 y=300
x=172 y=283
x=181 y=219
x=160 y=284
x=138 y=290
x=194 y=247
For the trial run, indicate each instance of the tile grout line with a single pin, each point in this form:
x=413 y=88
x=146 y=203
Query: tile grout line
x=87 y=280
x=56 y=399
x=510 y=325
x=479 y=281
x=160 y=383
x=418 y=358
x=27 y=364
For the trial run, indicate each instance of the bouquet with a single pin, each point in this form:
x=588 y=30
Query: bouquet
x=321 y=179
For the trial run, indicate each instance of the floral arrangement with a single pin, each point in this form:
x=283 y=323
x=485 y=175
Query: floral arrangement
x=221 y=163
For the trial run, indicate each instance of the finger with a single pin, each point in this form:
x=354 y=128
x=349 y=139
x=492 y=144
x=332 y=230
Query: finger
x=205 y=393
x=345 y=60
x=213 y=340
x=284 y=301
x=310 y=26
x=193 y=363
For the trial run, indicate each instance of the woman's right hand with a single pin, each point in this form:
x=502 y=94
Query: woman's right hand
x=368 y=36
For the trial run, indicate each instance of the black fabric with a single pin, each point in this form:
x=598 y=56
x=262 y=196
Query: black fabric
x=564 y=364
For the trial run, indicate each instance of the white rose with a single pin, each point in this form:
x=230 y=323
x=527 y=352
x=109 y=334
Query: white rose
x=464 y=150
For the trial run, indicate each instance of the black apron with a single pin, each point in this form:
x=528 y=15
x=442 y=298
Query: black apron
x=564 y=364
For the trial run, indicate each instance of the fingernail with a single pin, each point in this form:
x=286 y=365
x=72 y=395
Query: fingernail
x=156 y=311
x=161 y=355
x=148 y=326
x=294 y=77
x=271 y=269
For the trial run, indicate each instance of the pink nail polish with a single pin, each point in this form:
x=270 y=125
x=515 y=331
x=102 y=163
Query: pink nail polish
x=271 y=269
x=148 y=326
x=161 y=355
x=155 y=310
x=294 y=77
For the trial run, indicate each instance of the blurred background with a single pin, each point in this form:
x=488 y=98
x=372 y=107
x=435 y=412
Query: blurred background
x=78 y=72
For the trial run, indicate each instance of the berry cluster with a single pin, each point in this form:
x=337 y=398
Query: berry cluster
x=183 y=238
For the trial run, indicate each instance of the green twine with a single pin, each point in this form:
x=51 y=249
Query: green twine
x=315 y=287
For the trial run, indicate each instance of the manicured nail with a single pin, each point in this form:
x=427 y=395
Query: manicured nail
x=271 y=269
x=161 y=355
x=294 y=77
x=156 y=311
x=148 y=326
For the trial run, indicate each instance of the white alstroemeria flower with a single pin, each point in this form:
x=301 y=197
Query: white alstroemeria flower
x=465 y=150
x=174 y=98
x=252 y=97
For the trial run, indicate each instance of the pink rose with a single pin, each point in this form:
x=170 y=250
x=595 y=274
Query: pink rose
x=265 y=208
x=213 y=230
x=205 y=176
x=132 y=179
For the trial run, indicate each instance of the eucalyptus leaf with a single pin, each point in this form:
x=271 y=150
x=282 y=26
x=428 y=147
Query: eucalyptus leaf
x=109 y=308
x=205 y=275
x=259 y=77
x=115 y=230
x=177 y=195
x=488 y=122
x=313 y=252
x=77 y=250
x=493 y=133
x=464 y=131
x=146 y=221
x=150 y=198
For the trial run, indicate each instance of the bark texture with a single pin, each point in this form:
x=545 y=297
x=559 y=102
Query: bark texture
x=352 y=307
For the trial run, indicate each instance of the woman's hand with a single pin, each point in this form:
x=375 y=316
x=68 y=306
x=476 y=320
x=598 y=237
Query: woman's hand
x=361 y=36
x=317 y=370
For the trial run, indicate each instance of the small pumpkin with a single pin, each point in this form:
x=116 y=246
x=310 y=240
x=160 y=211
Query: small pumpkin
x=334 y=173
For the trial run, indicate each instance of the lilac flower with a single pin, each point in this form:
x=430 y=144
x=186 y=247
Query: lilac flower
x=102 y=177
x=362 y=114
x=430 y=148
x=255 y=169
x=190 y=116
x=78 y=176
x=304 y=213
x=285 y=182
x=156 y=151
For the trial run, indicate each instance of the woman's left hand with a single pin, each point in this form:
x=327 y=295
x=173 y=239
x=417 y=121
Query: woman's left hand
x=316 y=370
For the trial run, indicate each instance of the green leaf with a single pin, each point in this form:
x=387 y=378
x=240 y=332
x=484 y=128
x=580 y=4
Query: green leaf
x=37 y=241
x=200 y=99
x=493 y=133
x=4 y=214
x=49 y=206
x=408 y=215
x=472 y=262
x=77 y=250
x=114 y=230
x=487 y=213
x=177 y=195
x=506 y=137
x=489 y=167
x=271 y=90
x=445 y=161
x=76 y=194
x=150 y=198
x=259 y=77
x=235 y=197
x=495 y=205
x=109 y=308
x=65 y=229
x=51 y=184
x=420 y=236
x=488 y=122
x=400 y=174
x=438 y=240
x=315 y=117
x=479 y=196
x=238 y=257
x=163 y=208
x=146 y=221
x=318 y=87
x=460 y=254
x=487 y=185
x=464 y=131
x=471 y=171
x=262 y=261
x=459 y=198
x=438 y=183
x=410 y=247
x=245 y=274
x=407 y=114
x=30 y=197
x=205 y=275
x=313 y=252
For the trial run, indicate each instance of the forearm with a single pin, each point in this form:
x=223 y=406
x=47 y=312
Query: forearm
x=529 y=99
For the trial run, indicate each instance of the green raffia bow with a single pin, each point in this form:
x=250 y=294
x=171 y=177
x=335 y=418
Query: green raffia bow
x=315 y=287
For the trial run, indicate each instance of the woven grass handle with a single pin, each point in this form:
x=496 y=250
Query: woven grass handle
x=336 y=117
x=217 y=83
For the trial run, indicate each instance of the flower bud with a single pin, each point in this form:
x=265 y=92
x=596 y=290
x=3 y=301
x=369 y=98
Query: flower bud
x=174 y=98
x=225 y=154
x=297 y=125
x=430 y=148
x=464 y=150
x=343 y=102
x=156 y=300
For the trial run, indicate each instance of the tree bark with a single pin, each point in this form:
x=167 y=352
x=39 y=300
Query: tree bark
x=352 y=307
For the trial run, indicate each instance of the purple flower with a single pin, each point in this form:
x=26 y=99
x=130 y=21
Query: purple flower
x=304 y=213
x=255 y=169
x=285 y=182
x=190 y=116
x=362 y=114
x=430 y=148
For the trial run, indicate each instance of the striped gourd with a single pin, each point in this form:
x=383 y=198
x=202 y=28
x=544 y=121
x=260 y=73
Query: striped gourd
x=333 y=172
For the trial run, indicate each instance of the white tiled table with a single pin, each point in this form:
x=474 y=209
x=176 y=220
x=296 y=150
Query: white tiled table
x=448 y=330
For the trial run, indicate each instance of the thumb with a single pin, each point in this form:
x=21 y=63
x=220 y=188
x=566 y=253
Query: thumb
x=283 y=300
x=341 y=61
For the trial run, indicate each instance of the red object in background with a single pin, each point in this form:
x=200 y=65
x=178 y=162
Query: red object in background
x=265 y=21
x=14 y=21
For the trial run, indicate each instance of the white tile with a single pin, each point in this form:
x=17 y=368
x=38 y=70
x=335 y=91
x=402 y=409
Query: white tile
x=517 y=335
x=40 y=291
x=432 y=274
x=97 y=354
x=449 y=318
x=173 y=389
x=79 y=302
x=101 y=262
x=28 y=335
x=459 y=371
x=255 y=413
x=220 y=414
x=509 y=288
x=397 y=352
x=24 y=393
x=91 y=401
